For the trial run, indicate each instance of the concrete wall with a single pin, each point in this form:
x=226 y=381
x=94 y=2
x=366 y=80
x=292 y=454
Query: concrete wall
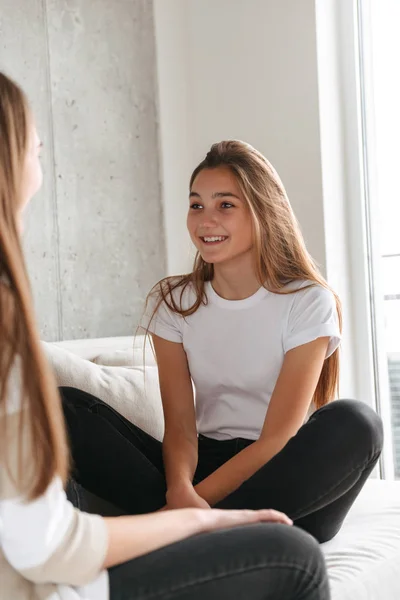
x=94 y=234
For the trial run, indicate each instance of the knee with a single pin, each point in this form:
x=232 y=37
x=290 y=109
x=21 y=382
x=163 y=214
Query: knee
x=323 y=530
x=360 y=422
x=305 y=552
x=284 y=542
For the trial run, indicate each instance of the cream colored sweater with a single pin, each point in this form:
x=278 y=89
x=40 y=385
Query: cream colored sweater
x=48 y=549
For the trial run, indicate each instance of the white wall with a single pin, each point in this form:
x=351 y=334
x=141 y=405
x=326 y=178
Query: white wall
x=247 y=70
x=258 y=71
x=175 y=137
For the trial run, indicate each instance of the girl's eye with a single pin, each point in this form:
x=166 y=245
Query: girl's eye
x=195 y=206
x=227 y=205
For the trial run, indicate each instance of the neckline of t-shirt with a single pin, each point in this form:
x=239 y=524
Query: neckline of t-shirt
x=261 y=293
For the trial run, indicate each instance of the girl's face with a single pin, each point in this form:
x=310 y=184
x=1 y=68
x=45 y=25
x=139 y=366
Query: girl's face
x=33 y=176
x=219 y=220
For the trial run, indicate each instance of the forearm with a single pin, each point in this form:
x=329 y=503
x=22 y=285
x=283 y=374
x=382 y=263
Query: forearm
x=133 y=536
x=180 y=453
x=237 y=470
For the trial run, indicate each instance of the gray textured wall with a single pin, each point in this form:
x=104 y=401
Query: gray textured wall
x=94 y=235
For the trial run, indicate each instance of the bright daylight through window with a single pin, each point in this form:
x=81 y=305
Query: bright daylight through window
x=380 y=92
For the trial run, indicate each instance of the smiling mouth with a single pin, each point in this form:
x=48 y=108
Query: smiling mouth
x=211 y=240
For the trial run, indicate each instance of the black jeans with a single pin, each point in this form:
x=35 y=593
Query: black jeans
x=255 y=562
x=314 y=479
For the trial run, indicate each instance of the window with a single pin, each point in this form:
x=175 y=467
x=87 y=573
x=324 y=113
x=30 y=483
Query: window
x=379 y=45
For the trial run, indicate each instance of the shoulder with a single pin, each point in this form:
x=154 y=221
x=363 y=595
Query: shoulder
x=311 y=305
x=168 y=304
x=312 y=314
x=173 y=293
x=310 y=302
x=304 y=291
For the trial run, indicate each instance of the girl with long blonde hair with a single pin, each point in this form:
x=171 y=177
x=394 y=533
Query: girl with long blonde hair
x=247 y=347
x=51 y=550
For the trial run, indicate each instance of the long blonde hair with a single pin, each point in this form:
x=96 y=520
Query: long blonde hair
x=280 y=251
x=19 y=336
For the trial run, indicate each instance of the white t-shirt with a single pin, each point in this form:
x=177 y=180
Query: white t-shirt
x=235 y=349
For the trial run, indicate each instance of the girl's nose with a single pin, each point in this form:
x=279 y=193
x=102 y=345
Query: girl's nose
x=209 y=219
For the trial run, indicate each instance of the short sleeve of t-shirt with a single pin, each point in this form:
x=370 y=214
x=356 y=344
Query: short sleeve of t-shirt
x=313 y=314
x=164 y=322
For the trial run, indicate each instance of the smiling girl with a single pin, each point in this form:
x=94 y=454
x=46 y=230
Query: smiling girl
x=247 y=347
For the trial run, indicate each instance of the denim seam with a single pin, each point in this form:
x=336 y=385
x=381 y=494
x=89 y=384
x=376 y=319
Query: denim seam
x=208 y=578
x=336 y=485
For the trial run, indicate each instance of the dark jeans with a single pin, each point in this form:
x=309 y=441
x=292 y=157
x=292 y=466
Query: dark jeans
x=314 y=479
x=255 y=562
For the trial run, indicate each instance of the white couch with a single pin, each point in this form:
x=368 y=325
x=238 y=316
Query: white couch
x=363 y=559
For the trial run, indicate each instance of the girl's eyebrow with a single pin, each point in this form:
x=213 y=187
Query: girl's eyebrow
x=222 y=194
x=216 y=195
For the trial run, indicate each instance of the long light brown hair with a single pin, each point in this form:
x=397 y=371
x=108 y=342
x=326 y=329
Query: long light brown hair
x=20 y=344
x=280 y=252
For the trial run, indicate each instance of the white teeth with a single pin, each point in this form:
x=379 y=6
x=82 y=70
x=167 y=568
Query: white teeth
x=219 y=238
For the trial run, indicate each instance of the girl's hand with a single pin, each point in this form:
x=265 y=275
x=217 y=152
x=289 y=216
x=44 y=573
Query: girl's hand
x=223 y=519
x=184 y=496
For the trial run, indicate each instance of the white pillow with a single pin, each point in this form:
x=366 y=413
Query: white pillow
x=133 y=392
x=115 y=358
x=91 y=347
x=133 y=357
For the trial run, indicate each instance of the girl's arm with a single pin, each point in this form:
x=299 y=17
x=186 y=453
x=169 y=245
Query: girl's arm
x=130 y=537
x=287 y=410
x=180 y=439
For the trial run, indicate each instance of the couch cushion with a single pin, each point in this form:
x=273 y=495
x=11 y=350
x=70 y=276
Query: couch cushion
x=124 y=351
x=90 y=348
x=133 y=391
x=363 y=560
